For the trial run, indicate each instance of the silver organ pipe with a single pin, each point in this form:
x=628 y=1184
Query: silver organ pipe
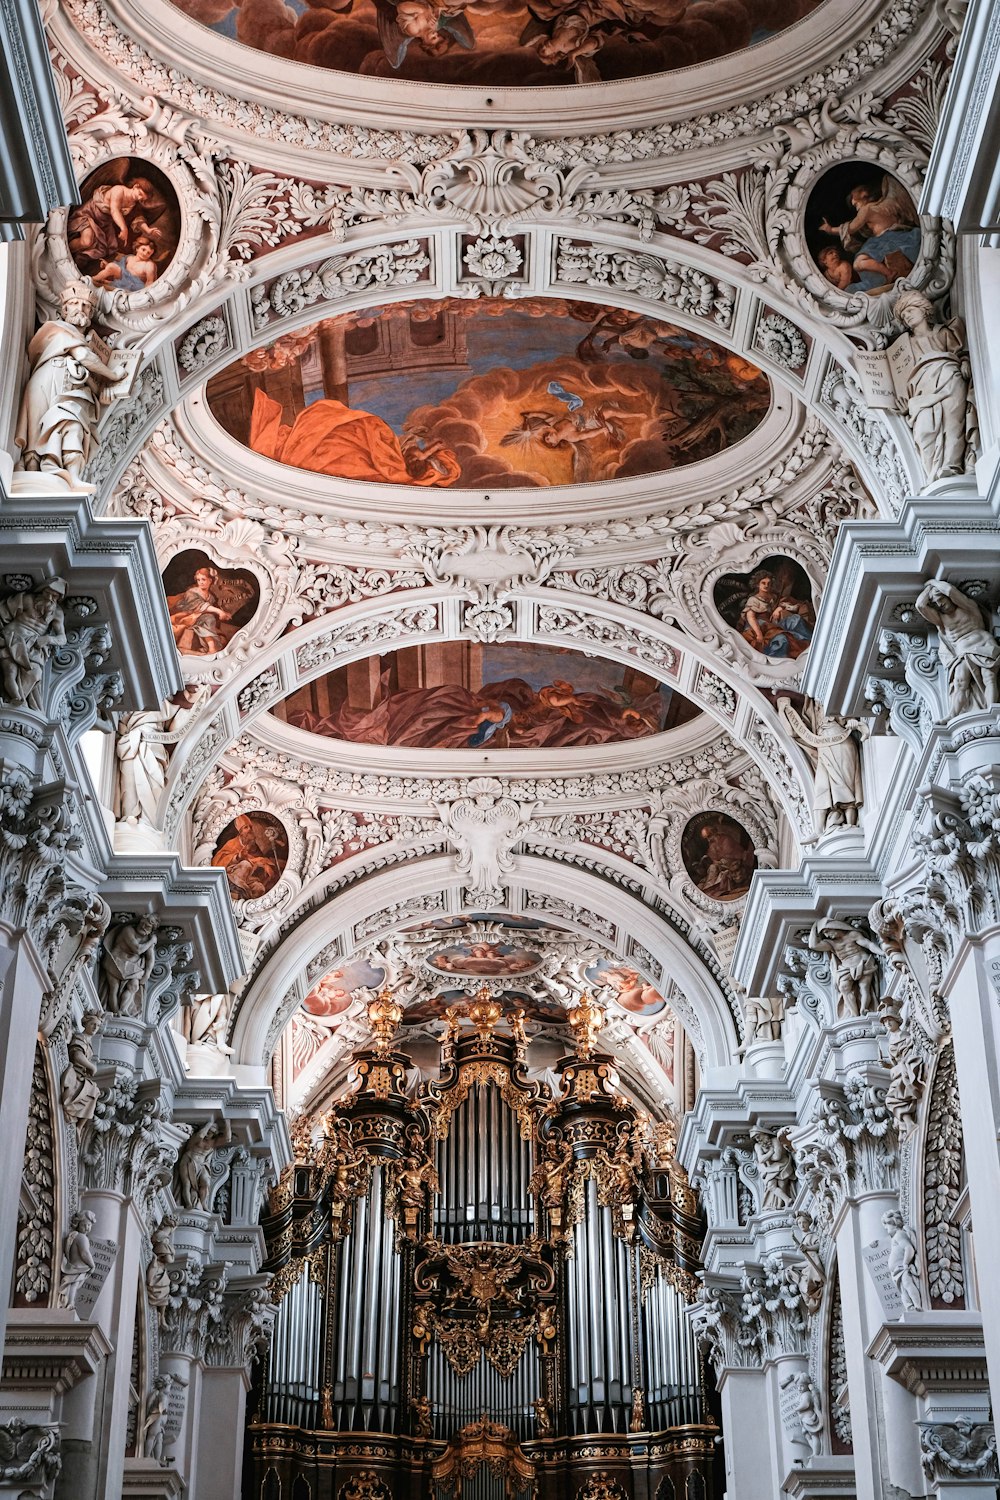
x=366 y=1362
x=599 y=1295
x=670 y=1357
x=294 y=1363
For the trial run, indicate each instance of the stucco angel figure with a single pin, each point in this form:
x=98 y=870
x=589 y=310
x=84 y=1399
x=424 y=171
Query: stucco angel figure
x=77 y=1258
x=127 y=961
x=937 y=402
x=193 y=1169
x=484 y=827
x=808 y=1410
x=854 y=963
x=78 y=1088
x=968 y=651
x=838 y=794
x=32 y=626
x=60 y=404
x=903 y=1265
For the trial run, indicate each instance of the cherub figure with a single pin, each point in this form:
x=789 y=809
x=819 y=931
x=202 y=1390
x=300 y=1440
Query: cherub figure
x=433 y=27
x=574 y=430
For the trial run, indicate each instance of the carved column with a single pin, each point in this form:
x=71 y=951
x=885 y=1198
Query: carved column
x=747 y=1409
x=854 y=1130
x=959 y=841
x=235 y=1341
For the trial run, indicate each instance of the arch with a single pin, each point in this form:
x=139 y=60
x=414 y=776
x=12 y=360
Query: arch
x=382 y=903
x=682 y=281
x=546 y=616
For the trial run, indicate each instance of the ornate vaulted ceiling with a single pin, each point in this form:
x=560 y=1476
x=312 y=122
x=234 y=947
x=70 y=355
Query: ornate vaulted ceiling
x=496 y=415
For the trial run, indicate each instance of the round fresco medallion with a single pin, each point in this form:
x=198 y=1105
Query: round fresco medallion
x=253 y=851
x=486 y=960
x=492 y=43
x=453 y=695
x=207 y=604
x=718 y=854
x=631 y=991
x=489 y=393
x=771 y=607
x=862 y=228
x=125 y=230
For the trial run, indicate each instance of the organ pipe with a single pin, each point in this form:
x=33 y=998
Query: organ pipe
x=482 y=1250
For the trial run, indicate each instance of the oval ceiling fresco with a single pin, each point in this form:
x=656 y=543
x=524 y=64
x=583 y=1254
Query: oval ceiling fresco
x=459 y=695
x=489 y=394
x=493 y=43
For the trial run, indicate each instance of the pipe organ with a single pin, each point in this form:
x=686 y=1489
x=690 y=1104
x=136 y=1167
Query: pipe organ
x=482 y=1291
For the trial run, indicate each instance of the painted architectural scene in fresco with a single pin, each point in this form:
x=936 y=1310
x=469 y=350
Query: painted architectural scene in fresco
x=253 y=851
x=124 y=232
x=718 y=854
x=631 y=991
x=462 y=695
x=771 y=607
x=496 y=42
x=490 y=960
x=489 y=393
x=862 y=228
x=207 y=604
x=335 y=991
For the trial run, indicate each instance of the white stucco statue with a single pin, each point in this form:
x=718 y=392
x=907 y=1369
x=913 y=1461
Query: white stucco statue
x=838 y=794
x=77 y=1258
x=764 y=1017
x=969 y=652
x=60 y=403
x=854 y=964
x=903 y=1266
x=126 y=965
x=142 y=740
x=32 y=625
x=809 y=1412
x=194 y=1170
x=936 y=402
x=777 y=1169
x=158 y=1287
x=78 y=1089
x=154 y=1423
x=206 y=1021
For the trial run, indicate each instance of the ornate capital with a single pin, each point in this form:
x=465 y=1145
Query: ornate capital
x=731 y=1340
x=959 y=842
x=29 y=1453
x=963 y=1449
x=241 y=1334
